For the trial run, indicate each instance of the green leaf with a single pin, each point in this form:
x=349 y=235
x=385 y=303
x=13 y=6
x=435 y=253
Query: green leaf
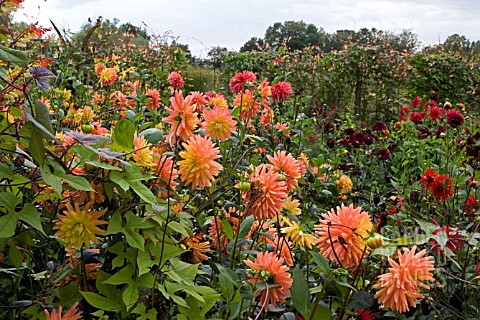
x=386 y=251
x=143 y=192
x=123 y=134
x=321 y=262
x=300 y=293
x=115 y=224
x=9 y=201
x=77 y=182
x=322 y=312
x=362 y=300
x=227 y=229
x=6 y=171
x=42 y=116
x=102 y=303
x=177 y=227
x=152 y=135
x=121 y=277
x=14 y=255
x=36 y=147
x=51 y=179
x=13 y=56
x=245 y=227
x=118 y=178
x=8 y=223
x=226 y=287
x=30 y=215
x=134 y=239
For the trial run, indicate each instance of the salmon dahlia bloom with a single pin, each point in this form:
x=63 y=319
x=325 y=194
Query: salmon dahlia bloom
x=78 y=227
x=342 y=234
x=399 y=288
x=175 y=80
x=281 y=91
x=165 y=171
x=287 y=165
x=266 y=195
x=71 y=314
x=267 y=269
x=237 y=82
x=153 y=101
x=182 y=118
x=218 y=123
x=198 y=166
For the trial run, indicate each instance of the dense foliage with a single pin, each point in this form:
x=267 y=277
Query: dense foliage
x=124 y=194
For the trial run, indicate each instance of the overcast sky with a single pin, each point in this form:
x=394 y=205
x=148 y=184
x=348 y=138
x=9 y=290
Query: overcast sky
x=203 y=24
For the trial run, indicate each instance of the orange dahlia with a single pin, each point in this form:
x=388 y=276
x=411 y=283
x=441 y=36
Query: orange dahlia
x=248 y=105
x=216 y=231
x=71 y=314
x=399 y=288
x=165 y=171
x=108 y=76
x=218 y=123
x=268 y=270
x=287 y=165
x=266 y=195
x=182 y=118
x=342 y=234
x=198 y=166
x=77 y=227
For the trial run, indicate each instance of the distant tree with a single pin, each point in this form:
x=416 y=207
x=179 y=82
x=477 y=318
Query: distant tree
x=253 y=44
x=295 y=34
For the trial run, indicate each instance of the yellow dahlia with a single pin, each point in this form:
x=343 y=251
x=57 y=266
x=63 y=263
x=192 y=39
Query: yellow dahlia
x=248 y=105
x=77 y=227
x=182 y=118
x=399 y=288
x=295 y=233
x=218 y=123
x=344 y=184
x=342 y=234
x=198 y=166
x=143 y=154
